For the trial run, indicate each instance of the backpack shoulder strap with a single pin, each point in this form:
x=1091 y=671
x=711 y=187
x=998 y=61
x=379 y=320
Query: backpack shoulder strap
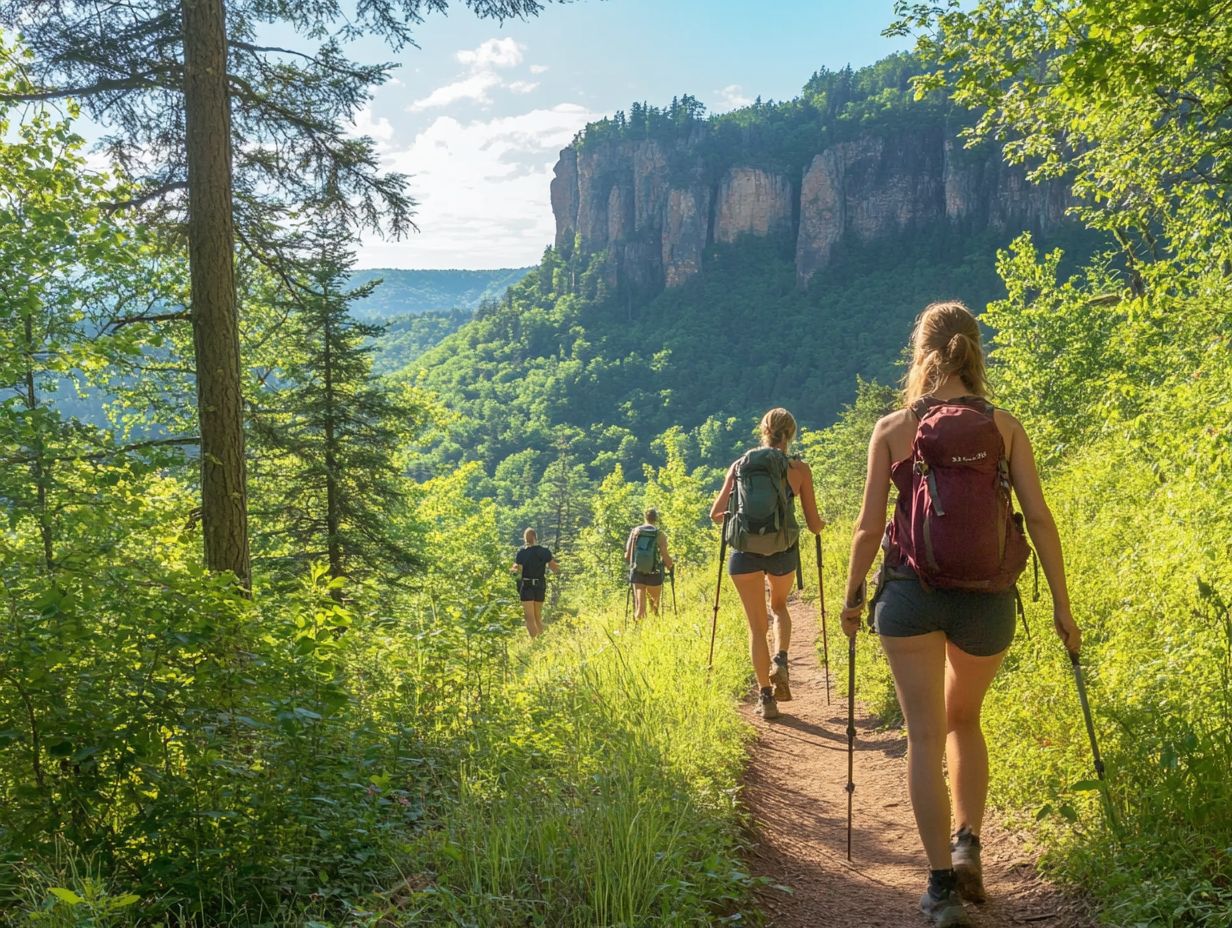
x=920 y=407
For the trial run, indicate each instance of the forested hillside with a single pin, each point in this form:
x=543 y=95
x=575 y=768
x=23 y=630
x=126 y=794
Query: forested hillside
x=588 y=360
x=410 y=292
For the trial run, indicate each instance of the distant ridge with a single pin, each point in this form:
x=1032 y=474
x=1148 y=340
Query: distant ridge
x=410 y=292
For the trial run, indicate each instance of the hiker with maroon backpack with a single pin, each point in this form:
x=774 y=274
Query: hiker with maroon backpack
x=756 y=509
x=944 y=605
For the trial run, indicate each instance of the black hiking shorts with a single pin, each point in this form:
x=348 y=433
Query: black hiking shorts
x=641 y=579
x=981 y=624
x=533 y=591
x=777 y=565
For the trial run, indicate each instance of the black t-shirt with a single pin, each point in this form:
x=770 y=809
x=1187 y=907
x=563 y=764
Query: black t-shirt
x=533 y=560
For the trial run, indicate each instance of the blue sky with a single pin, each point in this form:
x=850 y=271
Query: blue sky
x=478 y=113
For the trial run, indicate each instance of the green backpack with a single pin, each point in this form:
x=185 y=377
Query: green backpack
x=646 y=550
x=760 y=517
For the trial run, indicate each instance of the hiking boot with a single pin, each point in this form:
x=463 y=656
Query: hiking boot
x=778 y=676
x=966 y=854
x=944 y=908
x=767 y=708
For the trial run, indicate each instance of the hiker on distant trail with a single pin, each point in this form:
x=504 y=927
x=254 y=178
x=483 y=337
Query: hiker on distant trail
x=757 y=506
x=945 y=601
x=646 y=554
x=532 y=559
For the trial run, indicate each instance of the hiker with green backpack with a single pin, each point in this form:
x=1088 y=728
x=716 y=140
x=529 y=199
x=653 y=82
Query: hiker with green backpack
x=757 y=509
x=646 y=554
x=944 y=606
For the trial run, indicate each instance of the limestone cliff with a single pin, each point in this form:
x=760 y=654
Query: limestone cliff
x=656 y=205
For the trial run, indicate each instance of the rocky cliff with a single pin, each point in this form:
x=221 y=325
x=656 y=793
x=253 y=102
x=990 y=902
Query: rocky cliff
x=655 y=206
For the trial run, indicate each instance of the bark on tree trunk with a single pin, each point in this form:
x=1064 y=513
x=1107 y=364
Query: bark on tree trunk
x=333 y=502
x=211 y=242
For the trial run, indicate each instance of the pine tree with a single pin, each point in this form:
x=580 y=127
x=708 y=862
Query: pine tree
x=327 y=479
x=196 y=104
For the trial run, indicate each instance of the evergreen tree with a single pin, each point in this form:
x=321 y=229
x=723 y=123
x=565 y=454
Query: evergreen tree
x=327 y=476
x=197 y=104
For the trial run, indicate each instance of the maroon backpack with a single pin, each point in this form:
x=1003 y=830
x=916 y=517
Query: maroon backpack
x=954 y=524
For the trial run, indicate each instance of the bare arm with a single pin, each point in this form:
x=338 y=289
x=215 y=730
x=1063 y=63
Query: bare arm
x=719 y=506
x=555 y=567
x=629 y=547
x=869 y=528
x=663 y=555
x=1043 y=531
x=808 y=500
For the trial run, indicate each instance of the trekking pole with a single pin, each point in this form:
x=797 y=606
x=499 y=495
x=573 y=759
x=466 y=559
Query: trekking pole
x=799 y=569
x=851 y=731
x=628 y=596
x=714 y=622
x=821 y=599
x=1086 y=715
x=672 y=574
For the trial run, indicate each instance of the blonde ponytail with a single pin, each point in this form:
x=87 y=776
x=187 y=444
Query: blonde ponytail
x=945 y=342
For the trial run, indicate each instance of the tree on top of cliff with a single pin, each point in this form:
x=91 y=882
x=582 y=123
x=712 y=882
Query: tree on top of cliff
x=831 y=105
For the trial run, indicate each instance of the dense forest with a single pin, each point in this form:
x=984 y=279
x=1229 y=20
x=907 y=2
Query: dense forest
x=261 y=661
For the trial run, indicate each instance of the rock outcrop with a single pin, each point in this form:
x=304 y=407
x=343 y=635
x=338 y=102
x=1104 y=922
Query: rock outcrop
x=752 y=202
x=655 y=206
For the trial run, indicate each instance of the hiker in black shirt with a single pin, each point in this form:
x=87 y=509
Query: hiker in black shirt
x=532 y=559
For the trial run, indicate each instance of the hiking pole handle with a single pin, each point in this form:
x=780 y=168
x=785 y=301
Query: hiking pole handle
x=714 y=622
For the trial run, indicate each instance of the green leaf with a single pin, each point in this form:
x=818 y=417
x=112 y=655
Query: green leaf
x=66 y=895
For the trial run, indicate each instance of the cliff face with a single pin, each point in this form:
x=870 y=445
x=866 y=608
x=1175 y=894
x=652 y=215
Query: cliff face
x=655 y=206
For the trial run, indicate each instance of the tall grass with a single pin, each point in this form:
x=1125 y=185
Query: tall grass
x=603 y=790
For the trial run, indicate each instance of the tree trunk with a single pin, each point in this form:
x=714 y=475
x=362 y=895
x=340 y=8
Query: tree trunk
x=333 y=502
x=40 y=467
x=211 y=242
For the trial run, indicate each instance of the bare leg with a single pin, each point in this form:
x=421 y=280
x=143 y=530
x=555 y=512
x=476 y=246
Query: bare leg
x=639 y=601
x=653 y=592
x=967 y=679
x=528 y=610
x=752 y=590
x=780 y=587
x=918 y=665
x=538 y=619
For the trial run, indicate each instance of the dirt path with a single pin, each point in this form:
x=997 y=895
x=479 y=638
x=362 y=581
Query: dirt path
x=794 y=788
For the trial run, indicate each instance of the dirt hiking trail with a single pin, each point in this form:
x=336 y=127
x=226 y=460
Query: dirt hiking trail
x=794 y=788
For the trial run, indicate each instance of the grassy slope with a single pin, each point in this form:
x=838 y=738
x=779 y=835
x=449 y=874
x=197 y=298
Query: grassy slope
x=602 y=788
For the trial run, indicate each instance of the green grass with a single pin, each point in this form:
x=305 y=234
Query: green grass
x=603 y=792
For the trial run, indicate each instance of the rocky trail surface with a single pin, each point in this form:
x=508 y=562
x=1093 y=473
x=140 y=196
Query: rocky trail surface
x=795 y=791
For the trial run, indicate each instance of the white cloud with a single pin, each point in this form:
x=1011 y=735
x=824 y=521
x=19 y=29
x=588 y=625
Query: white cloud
x=494 y=53
x=732 y=97
x=482 y=187
x=483 y=63
x=366 y=124
x=475 y=87
x=538 y=68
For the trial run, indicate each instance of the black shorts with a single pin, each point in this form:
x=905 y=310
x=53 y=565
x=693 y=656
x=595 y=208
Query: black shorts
x=981 y=624
x=777 y=565
x=655 y=579
x=532 y=591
